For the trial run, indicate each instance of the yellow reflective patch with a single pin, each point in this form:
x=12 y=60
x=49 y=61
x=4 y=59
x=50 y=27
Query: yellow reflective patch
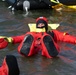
x=57 y=1
x=72 y=7
x=40 y=30
x=32 y=26
x=64 y=33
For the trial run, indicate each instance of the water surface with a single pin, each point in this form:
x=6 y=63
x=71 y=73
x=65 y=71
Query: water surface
x=16 y=24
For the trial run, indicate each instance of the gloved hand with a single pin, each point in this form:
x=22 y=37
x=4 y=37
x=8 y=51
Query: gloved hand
x=8 y=39
x=3 y=43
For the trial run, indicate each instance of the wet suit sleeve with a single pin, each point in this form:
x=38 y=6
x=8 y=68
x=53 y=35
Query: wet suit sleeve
x=64 y=37
x=17 y=39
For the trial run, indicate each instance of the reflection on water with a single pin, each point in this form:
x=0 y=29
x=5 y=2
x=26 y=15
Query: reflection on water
x=16 y=24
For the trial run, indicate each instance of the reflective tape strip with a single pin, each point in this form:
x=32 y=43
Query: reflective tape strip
x=64 y=33
x=57 y=1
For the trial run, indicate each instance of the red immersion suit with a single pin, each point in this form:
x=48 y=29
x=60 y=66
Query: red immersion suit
x=32 y=42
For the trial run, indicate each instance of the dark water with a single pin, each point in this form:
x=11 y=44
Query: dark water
x=16 y=24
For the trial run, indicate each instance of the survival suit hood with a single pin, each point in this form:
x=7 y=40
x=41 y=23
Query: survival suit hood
x=42 y=20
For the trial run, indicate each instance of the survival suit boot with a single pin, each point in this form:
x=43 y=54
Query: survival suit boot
x=49 y=47
x=26 y=48
x=9 y=66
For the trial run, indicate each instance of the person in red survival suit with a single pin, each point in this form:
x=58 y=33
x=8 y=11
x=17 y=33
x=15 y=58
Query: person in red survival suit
x=9 y=66
x=42 y=39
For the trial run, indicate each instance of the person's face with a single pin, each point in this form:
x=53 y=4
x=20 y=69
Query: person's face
x=40 y=25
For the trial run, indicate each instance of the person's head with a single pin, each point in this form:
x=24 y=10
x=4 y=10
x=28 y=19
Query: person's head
x=42 y=23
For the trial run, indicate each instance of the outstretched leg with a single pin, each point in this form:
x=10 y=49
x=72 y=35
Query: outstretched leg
x=9 y=66
x=26 y=48
x=49 y=47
